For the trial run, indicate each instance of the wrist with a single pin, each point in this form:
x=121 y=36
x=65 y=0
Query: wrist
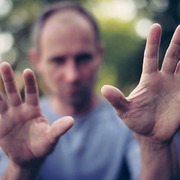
x=153 y=144
x=158 y=159
x=19 y=172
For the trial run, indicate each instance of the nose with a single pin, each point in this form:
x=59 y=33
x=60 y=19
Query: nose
x=72 y=71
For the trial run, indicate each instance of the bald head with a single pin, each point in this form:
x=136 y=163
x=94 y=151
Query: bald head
x=66 y=28
x=68 y=10
x=68 y=23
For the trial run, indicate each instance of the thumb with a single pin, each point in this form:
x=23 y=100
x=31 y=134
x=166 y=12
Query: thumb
x=116 y=98
x=60 y=126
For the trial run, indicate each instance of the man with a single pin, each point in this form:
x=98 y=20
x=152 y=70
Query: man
x=67 y=53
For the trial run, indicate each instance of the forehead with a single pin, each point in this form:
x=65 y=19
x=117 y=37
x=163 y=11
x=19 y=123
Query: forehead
x=66 y=29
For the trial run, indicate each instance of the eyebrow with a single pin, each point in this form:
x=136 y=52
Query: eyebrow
x=88 y=54
x=57 y=58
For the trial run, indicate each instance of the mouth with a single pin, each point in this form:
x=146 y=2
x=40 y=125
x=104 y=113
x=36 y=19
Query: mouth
x=73 y=91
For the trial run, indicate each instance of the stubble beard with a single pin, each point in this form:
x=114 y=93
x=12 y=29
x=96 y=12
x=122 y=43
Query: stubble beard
x=79 y=101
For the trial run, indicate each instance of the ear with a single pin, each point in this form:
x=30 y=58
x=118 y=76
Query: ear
x=35 y=59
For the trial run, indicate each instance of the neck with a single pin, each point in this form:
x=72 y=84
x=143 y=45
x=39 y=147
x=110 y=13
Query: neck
x=72 y=110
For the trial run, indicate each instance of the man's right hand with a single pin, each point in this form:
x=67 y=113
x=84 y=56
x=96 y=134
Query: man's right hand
x=25 y=134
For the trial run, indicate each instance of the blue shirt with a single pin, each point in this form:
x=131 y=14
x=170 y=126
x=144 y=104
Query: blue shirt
x=98 y=147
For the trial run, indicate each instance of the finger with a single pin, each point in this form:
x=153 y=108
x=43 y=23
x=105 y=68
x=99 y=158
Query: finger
x=3 y=104
x=10 y=86
x=116 y=98
x=172 y=54
x=60 y=126
x=177 y=71
x=151 y=53
x=31 y=89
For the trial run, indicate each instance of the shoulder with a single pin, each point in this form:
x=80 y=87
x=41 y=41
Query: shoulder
x=44 y=102
x=109 y=115
x=48 y=110
x=105 y=117
x=3 y=162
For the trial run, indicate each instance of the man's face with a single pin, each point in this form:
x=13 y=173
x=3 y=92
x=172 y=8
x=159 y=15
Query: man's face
x=69 y=57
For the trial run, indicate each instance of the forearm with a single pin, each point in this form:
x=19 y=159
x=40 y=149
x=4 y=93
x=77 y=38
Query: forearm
x=14 y=172
x=159 y=161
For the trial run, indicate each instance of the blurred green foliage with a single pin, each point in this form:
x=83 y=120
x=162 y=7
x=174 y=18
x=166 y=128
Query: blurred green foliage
x=123 y=52
x=121 y=44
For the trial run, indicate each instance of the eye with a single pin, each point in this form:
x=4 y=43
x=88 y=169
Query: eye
x=83 y=58
x=58 y=60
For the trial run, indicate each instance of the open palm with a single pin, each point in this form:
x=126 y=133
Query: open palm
x=152 y=108
x=25 y=134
